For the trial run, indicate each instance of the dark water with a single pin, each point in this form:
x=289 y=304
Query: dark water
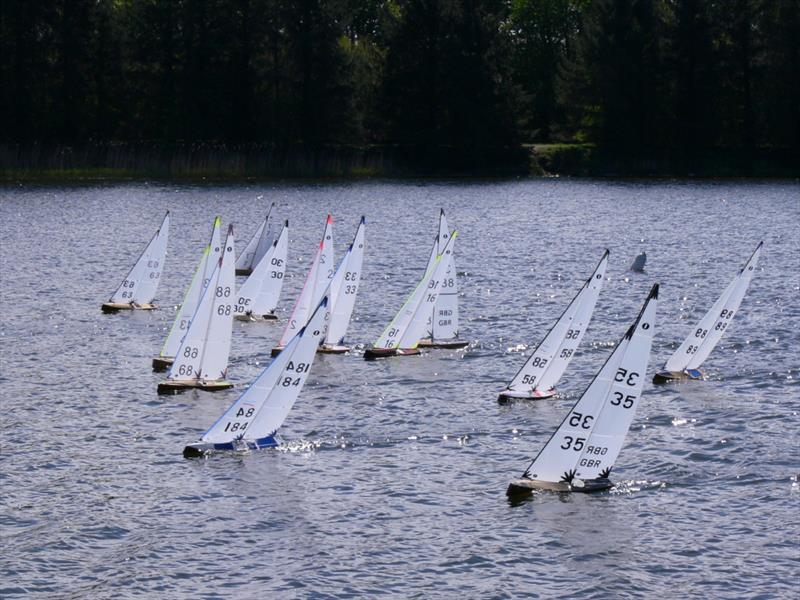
x=393 y=477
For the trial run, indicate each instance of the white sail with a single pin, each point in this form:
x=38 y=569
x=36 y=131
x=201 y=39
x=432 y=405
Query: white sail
x=606 y=407
x=314 y=287
x=208 y=262
x=551 y=357
x=527 y=378
x=258 y=413
x=258 y=245
x=344 y=288
x=394 y=333
x=259 y=294
x=442 y=322
x=327 y=265
x=416 y=326
x=140 y=285
x=576 y=328
x=203 y=352
x=220 y=327
x=390 y=338
x=615 y=418
x=697 y=347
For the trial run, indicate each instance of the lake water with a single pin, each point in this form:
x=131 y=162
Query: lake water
x=393 y=475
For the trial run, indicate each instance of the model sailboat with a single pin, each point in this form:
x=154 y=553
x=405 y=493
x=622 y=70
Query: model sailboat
x=319 y=275
x=543 y=369
x=343 y=290
x=202 y=358
x=139 y=287
x=579 y=456
x=402 y=336
x=253 y=419
x=685 y=362
x=442 y=324
x=259 y=294
x=256 y=248
x=183 y=318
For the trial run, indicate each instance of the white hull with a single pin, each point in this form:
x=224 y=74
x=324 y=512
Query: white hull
x=509 y=395
x=112 y=307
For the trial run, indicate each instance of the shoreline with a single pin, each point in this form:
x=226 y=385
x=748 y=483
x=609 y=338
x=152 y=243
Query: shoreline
x=218 y=162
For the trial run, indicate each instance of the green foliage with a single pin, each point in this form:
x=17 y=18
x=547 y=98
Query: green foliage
x=452 y=84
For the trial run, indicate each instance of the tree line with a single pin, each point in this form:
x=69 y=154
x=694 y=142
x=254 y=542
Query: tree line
x=467 y=81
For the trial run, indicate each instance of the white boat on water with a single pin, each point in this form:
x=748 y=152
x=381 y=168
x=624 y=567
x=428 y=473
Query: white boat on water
x=541 y=372
x=256 y=248
x=343 y=291
x=319 y=276
x=139 y=287
x=685 y=362
x=442 y=324
x=183 y=318
x=401 y=337
x=579 y=456
x=202 y=358
x=253 y=420
x=258 y=297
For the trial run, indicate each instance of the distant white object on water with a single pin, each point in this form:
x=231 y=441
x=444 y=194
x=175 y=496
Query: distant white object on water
x=685 y=362
x=139 y=287
x=638 y=263
x=579 y=456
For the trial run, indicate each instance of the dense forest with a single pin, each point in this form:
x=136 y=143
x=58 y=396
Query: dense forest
x=439 y=84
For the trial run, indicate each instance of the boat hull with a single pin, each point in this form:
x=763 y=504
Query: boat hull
x=162 y=363
x=244 y=272
x=333 y=349
x=275 y=351
x=672 y=376
x=376 y=353
x=507 y=396
x=447 y=344
x=113 y=307
x=201 y=449
x=525 y=486
x=255 y=318
x=173 y=386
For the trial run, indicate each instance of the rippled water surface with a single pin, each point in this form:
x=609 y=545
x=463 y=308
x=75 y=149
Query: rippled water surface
x=393 y=475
